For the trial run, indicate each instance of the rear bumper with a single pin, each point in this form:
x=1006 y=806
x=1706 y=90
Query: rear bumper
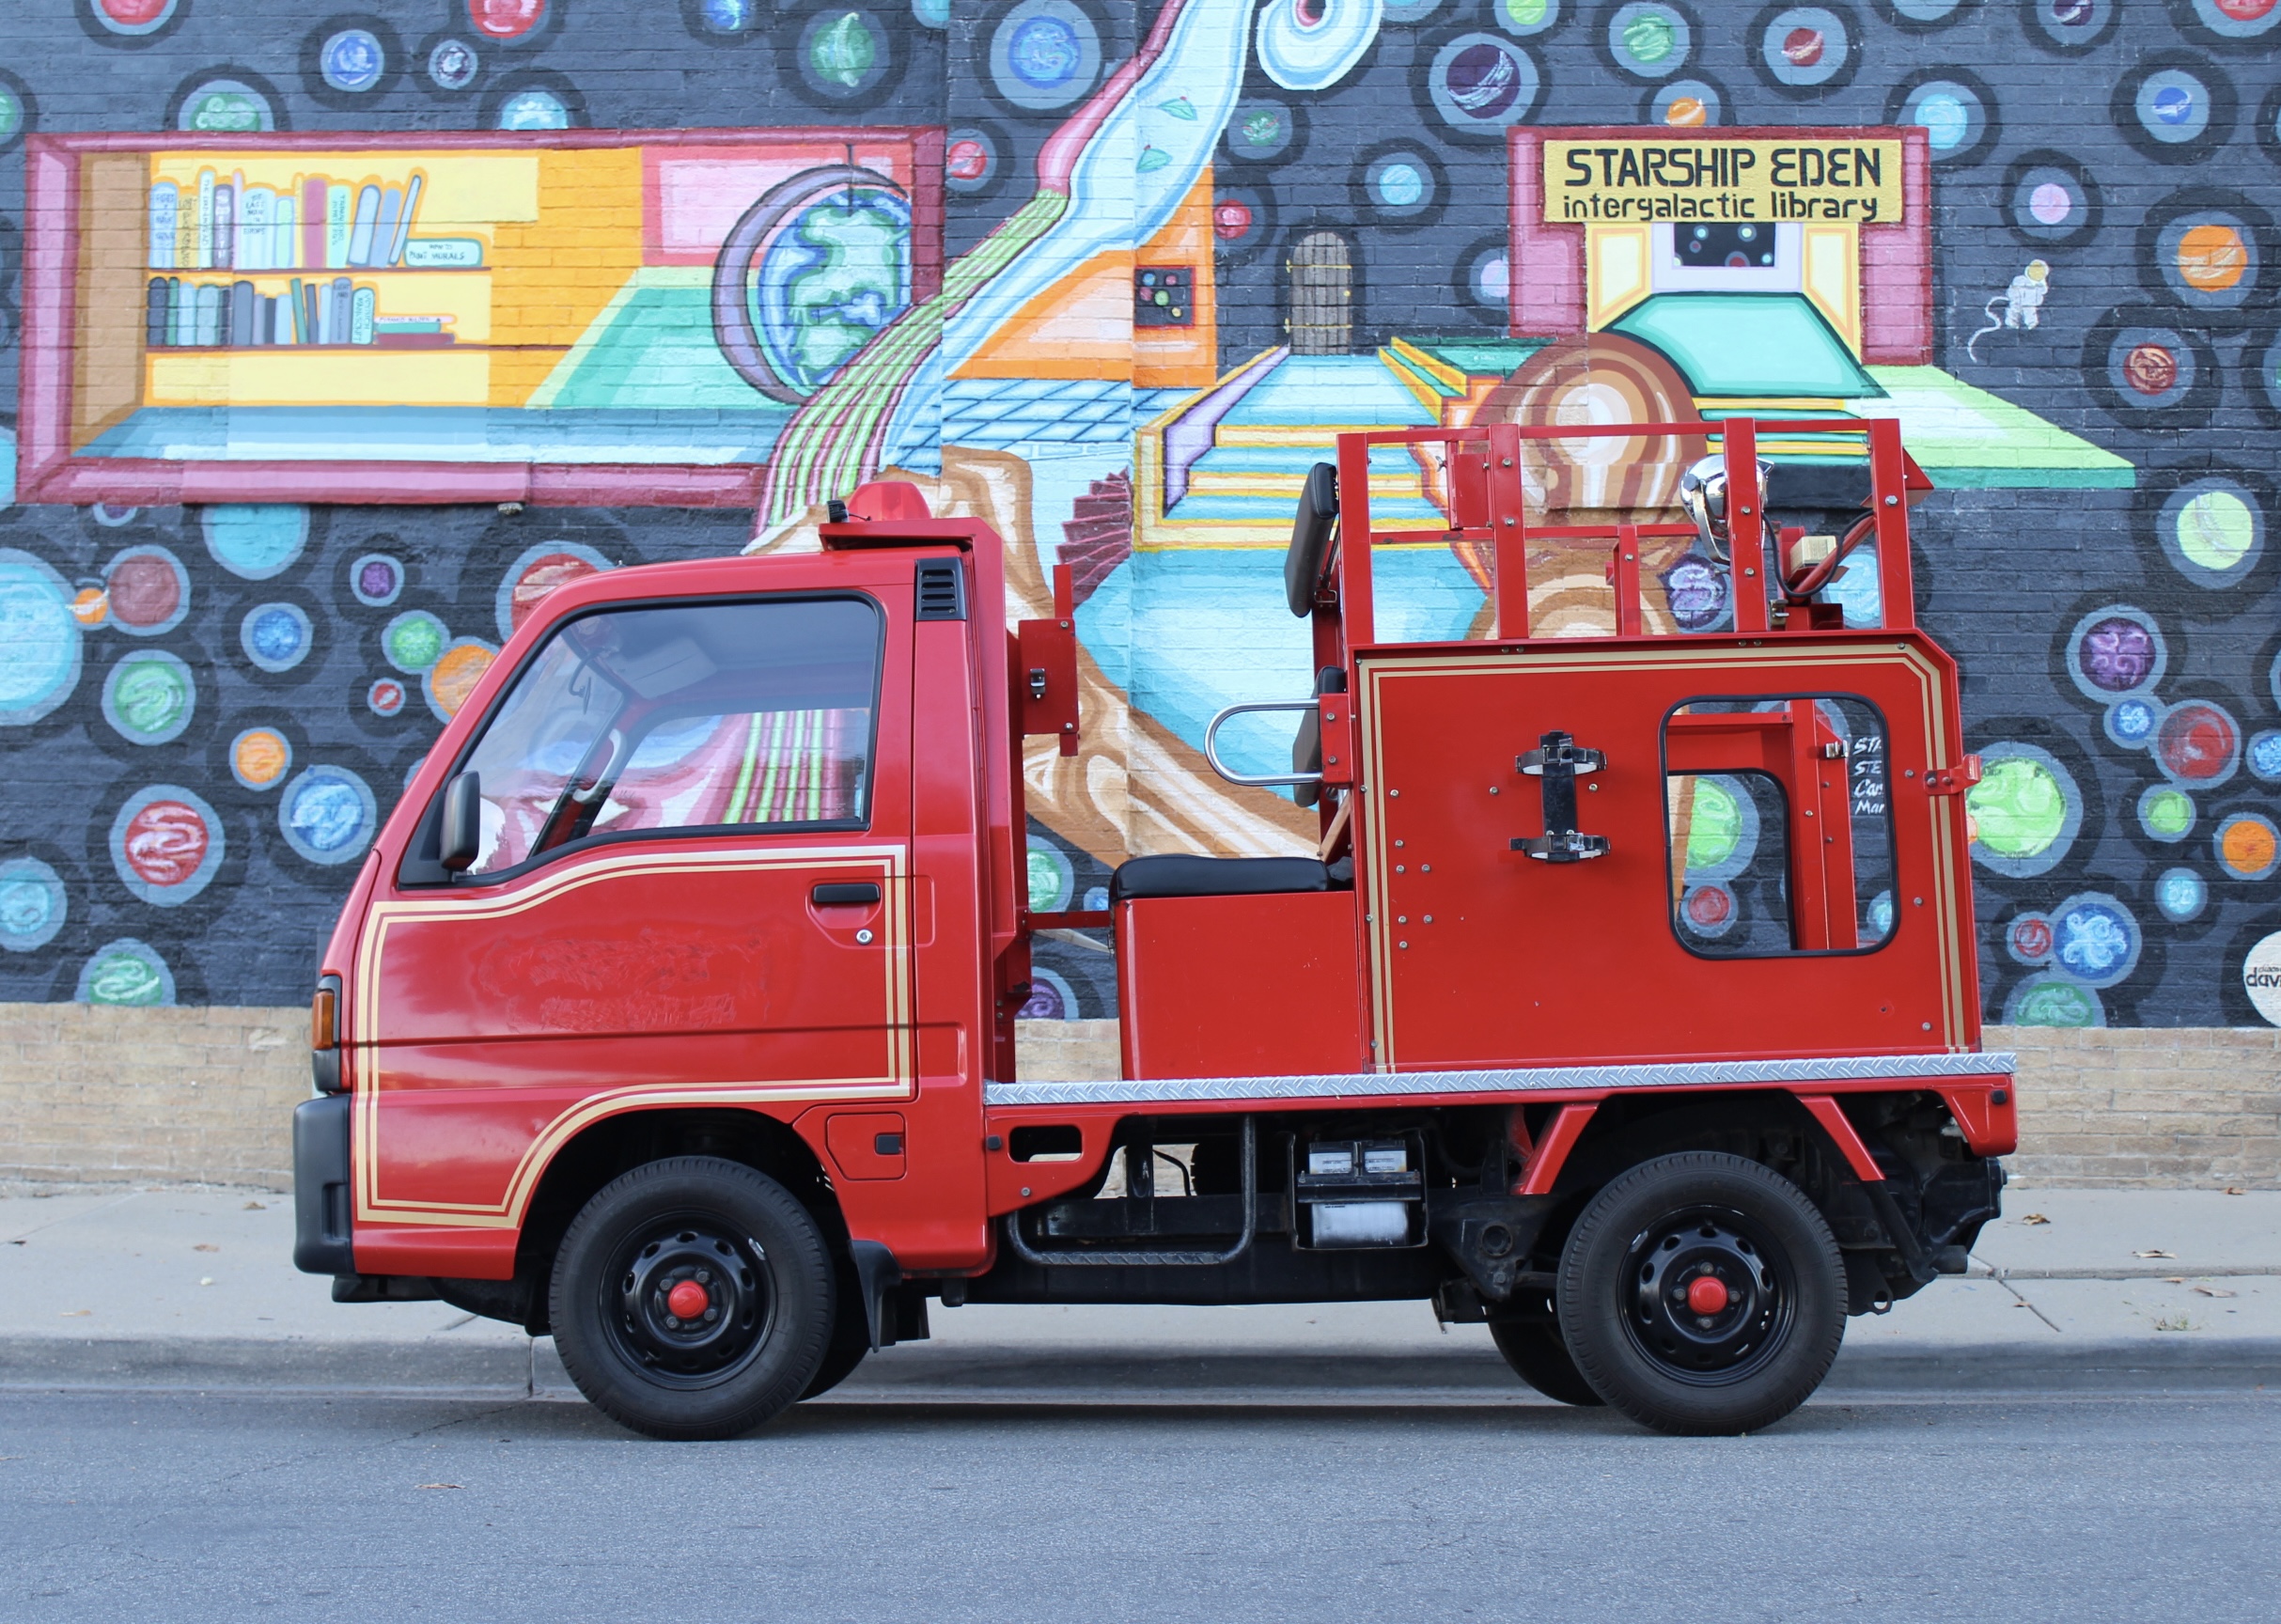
x=321 y=1241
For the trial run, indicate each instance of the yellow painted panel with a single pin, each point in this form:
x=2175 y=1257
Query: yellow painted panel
x=293 y=377
x=1615 y=272
x=1832 y=278
x=558 y=272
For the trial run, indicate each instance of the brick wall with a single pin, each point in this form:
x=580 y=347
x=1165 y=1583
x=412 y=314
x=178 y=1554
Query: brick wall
x=207 y=1094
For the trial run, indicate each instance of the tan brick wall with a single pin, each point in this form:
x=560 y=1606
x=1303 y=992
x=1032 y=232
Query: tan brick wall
x=207 y=1096
x=2174 y=1108
x=96 y=1094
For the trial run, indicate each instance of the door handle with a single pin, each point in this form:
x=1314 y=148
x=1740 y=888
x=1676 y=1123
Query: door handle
x=863 y=893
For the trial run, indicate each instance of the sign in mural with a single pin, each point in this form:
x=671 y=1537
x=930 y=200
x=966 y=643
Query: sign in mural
x=1855 y=181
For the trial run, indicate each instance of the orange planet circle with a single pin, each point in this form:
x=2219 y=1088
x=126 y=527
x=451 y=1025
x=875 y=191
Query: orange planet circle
x=2247 y=847
x=2212 y=258
x=455 y=674
x=1687 y=112
x=262 y=757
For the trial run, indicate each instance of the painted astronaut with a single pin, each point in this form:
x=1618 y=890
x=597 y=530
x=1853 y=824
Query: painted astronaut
x=2025 y=297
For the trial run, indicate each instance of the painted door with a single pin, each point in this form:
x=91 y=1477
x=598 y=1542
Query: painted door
x=693 y=889
x=1777 y=880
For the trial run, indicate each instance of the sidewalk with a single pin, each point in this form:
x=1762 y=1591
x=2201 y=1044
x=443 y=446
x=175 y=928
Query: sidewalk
x=195 y=1288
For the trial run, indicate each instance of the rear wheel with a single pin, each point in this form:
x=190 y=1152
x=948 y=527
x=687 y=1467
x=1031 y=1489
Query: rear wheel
x=1702 y=1293
x=850 y=1341
x=693 y=1298
x=1538 y=1355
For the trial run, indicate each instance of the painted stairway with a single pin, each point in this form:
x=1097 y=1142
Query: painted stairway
x=1223 y=468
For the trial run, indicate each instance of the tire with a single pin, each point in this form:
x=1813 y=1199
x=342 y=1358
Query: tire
x=749 y=1255
x=1538 y=1355
x=850 y=1341
x=1642 y=1269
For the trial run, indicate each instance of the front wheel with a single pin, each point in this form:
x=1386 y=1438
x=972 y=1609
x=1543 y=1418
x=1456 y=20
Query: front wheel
x=693 y=1298
x=1702 y=1293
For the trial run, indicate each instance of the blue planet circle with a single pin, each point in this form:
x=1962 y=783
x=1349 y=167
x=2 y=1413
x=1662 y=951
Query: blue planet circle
x=40 y=639
x=328 y=815
x=256 y=540
x=2180 y=894
x=277 y=636
x=33 y=904
x=534 y=110
x=352 y=60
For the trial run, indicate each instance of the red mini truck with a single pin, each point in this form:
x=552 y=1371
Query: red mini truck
x=1627 y=1005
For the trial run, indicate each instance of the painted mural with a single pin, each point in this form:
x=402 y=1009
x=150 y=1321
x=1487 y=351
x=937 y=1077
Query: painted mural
x=339 y=341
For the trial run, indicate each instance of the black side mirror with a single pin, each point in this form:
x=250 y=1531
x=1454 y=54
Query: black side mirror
x=461 y=838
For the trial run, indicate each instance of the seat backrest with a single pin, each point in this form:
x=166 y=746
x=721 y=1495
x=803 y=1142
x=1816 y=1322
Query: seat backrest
x=1310 y=537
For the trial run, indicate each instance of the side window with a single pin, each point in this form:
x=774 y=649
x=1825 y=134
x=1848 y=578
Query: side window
x=700 y=716
x=1780 y=833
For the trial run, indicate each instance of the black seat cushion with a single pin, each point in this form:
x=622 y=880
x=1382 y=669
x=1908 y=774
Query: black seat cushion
x=1180 y=876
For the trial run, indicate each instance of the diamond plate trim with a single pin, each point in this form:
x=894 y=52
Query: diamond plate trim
x=1532 y=1079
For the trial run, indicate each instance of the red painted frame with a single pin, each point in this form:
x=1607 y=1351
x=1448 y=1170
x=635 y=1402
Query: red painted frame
x=48 y=471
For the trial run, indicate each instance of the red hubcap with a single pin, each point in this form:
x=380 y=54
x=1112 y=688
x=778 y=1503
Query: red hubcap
x=1705 y=1294
x=688 y=1300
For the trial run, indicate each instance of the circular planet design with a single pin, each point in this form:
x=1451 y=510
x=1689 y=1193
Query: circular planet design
x=2166 y=814
x=275 y=636
x=453 y=677
x=256 y=540
x=125 y=973
x=1482 y=82
x=328 y=815
x=225 y=106
x=259 y=758
x=352 y=60
x=40 y=639
x=2198 y=744
x=132 y=18
x=539 y=572
x=166 y=844
x=1045 y=55
x=33 y=904
x=507 y=21
x=534 y=109
x=2181 y=895
x=2025 y=811
x=2248 y=846
x=376 y=580
x=150 y=696
x=453 y=65
x=146 y=591
x=2212 y=530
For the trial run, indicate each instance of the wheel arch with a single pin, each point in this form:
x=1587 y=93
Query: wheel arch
x=617 y=1144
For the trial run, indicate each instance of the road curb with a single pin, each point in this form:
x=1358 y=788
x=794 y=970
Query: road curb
x=1050 y=1375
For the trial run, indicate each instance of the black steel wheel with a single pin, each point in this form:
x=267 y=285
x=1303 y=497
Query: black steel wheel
x=1538 y=1355
x=1702 y=1293
x=693 y=1298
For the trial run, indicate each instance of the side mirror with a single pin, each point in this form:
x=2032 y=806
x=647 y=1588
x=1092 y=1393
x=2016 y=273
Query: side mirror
x=461 y=838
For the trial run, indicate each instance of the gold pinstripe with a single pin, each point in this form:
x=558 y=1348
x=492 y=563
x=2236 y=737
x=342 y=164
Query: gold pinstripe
x=368 y=1020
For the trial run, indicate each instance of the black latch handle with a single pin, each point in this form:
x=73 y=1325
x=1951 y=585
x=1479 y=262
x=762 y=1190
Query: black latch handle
x=1555 y=766
x=858 y=894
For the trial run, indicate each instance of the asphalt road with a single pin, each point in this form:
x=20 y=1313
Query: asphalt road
x=183 y=1508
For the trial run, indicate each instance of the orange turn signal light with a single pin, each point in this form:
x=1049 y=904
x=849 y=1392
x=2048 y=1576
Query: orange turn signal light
x=324 y=1019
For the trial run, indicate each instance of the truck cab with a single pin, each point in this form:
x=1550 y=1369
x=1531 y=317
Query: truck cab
x=1627 y=1003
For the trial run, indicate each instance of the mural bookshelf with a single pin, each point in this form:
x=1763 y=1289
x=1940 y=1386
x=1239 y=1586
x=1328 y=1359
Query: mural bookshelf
x=263 y=313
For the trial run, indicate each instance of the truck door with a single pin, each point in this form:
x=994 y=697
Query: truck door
x=692 y=890
x=1776 y=878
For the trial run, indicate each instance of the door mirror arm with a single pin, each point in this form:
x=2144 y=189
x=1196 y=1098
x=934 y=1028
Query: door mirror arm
x=461 y=836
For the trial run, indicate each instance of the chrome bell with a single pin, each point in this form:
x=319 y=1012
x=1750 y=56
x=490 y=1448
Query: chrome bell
x=1703 y=495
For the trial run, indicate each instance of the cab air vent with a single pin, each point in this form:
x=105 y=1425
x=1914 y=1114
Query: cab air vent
x=941 y=590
